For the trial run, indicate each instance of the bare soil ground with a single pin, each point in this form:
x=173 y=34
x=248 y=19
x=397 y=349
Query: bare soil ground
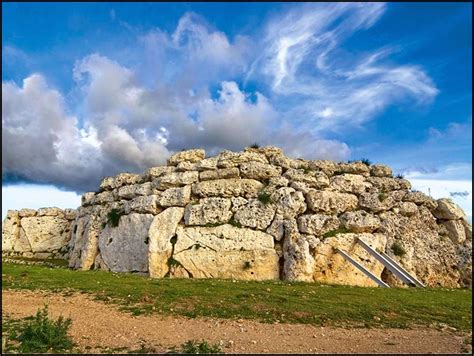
x=99 y=327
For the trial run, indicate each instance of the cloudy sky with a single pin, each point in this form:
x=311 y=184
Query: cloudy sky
x=91 y=90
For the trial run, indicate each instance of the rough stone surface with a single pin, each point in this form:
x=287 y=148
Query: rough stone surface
x=317 y=224
x=330 y=202
x=160 y=249
x=224 y=173
x=255 y=214
x=247 y=188
x=312 y=179
x=331 y=267
x=353 y=168
x=208 y=211
x=455 y=230
x=226 y=252
x=360 y=221
x=259 y=171
x=379 y=170
x=350 y=183
x=289 y=203
x=175 y=179
x=194 y=155
x=124 y=248
x=447 y=209
x=175 y=196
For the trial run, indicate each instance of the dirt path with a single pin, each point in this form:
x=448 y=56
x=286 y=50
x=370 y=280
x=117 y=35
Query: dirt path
x=99 y=325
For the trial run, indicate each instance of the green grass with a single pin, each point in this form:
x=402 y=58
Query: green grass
x=341 y=230
x=113 y=217
x=37 y=334
x=268 y=301
x=197 y=347
x=265 y=198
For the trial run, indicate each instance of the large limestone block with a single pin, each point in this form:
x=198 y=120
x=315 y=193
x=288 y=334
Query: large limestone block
x=255 y=214
x=108 y=183
x=420 y=198
x=298 y=261
x=277 y=227
x=208 y=211
x=87 y=199
x=455 y=230
x=132 y=191
x=331 y=202
x=70 y=214
x=224 y=173
x=380 y=170
x=360 y=221
x=103 y=198
x=155 y=172
x=259 y=171
x=406 y=208
x=331 y=267
x=384 y=184
x=194 y=155
x=46 y=233
x=227 y=188
x=325 y=166
x=279 y=160
x=237 y=203
x=187 y=166
x=175 y=179
x=208 y=164
x=376 y=202
x=289 y=202
x=127 y=179
x=124 y=248
x=84 y=242
x=226 y=252
x=317 y=224
x=145 y=205
x=229 y=159
x=350 y=183
x=160 y=249
x=353 y=168
x=10 y=231
x=449 y=210
x=313 y=179
x=175 y=196
x=50 y=212
x=26 y=213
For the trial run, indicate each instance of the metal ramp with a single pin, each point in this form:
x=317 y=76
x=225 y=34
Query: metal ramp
x=392 y=266
x=362 y=269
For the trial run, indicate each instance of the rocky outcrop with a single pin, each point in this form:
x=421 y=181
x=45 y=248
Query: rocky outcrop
x=42 y=233
x=253 y=215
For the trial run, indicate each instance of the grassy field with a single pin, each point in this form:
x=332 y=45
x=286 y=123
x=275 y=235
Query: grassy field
x=268 y=301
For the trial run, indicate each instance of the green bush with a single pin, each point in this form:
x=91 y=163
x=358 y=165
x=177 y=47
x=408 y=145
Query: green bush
x=400 y=176
x=235 y=223
x=247 y=265
x=264 y=198
x=195 y=347
x=398 y=249
x=341 y=230
x=42 y=334
x=255 y=145
x=113 y=217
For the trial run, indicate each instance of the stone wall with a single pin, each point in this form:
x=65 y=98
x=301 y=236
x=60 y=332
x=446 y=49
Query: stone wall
x=42 y=233
x=259 y=215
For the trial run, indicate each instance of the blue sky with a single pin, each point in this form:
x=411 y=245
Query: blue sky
x=90 y=90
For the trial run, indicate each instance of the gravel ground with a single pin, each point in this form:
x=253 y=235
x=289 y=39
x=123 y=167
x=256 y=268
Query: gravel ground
x=97 y=326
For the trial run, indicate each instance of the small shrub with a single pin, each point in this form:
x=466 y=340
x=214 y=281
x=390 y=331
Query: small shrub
x=398 y=249
x=235 y=223
x=400 y=176
x=255 y=145
x=213 y=224
x=195 y=347
x=341 y=230
x=382 y=197
x=247 y=265
x=113 y=217
x=42 y=334
x=306 y=169
x=366 y=161
x=173 y=263
x=264 y=198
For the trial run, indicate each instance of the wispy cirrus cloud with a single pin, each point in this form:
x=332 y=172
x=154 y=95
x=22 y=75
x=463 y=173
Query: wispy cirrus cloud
x=304 y=59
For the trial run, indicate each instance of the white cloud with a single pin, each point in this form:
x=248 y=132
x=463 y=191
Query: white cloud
x=303 y=57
